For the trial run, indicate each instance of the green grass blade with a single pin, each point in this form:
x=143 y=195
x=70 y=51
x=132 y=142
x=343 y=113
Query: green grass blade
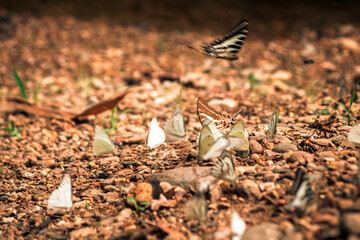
x=353 y=95
x=36 y=90
x=340 y=104
x=21 y=85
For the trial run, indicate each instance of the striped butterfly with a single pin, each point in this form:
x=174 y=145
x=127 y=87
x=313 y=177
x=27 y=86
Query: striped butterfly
x=156 y=135
x=61 y=198
x=224 y=167
x=102 y=143
x=222 y=121
x=174 y=127
x=303 y=192
x=273 y=122
x=229 y=45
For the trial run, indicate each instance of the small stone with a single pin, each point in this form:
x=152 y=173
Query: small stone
x=141 y=193
x=111 y=188
x=325 y=218
x=125 y=214
x=269 y=231
x=328 y=156
x=351 y=223
x=338 y=165
x=194 y=153
x=255 y=147
x=250 y=188
x=111 y=197
x=301 y=157
x=284 y=147
x=9 y=220
x=82 y=233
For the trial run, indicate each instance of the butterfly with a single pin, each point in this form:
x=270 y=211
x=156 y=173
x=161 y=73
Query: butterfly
x=224 y=167
x=174 y=127
x=238 y=226
x=102 y=143
x=303 y=192
x=273 y=123
x=354 y=135
x=156 y=135
x=229 y=45
x=239 y=131
x=222 y=121
x=61 y=198
x=196 y=207
x=209 y=133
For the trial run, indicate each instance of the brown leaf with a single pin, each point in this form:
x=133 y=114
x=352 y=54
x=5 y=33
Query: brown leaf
x=102 y=106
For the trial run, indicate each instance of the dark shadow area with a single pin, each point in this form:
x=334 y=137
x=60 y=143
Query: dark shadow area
x=268 y=19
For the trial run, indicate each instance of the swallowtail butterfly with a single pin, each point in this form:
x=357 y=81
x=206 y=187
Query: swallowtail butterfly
x=222 y=121
x=303 y=194
x=224 y=167
x=174 y=127
x=229 y=45
x=61 y=198
x=102 y=143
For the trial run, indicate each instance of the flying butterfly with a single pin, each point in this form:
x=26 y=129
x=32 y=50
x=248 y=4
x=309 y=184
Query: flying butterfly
x=174 y=127
x=222 y=121
x=273 y=122
x=224 y=167
x=156 y=135
x=229 y=45
x=102 y=143
x=196 y=207
x=61 y=198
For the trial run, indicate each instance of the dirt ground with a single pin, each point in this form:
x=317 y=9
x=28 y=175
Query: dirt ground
x=75 y=54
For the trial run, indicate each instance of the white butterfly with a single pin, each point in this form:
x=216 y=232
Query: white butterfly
x=354 y=135
x=209 y=133
x=238 y=226
x=61 y=198
x=156 y=135
x=174 y=127
x=239 y=131
x=224 y=167
x=102 y=143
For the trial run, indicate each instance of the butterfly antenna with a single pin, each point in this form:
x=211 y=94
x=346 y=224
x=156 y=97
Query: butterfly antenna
x=236 y=114
x=191 y=47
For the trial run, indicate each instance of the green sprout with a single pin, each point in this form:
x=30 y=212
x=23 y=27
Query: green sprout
x=113 y=120
x=21 y=85
x=254 y=83
x=138 y=207
x=12 y=129
x=145 y=115
x=348 y=111
x=1 y=172
x=86 y=205
x=318 y=113
x=36 y=90
x=310 y=92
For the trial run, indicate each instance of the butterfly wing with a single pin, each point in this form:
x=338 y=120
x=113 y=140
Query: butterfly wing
x=102 y=143
x=239 y=131
x=205 y=111
x=61 y=198
x=273 y=123
x=174 y=127
x=196 y=207
x=228 y=46
x=156 y=135
x=206 y=137
x=354 y=135
x=224 y=167
x=238 y=226
x=304 y=195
